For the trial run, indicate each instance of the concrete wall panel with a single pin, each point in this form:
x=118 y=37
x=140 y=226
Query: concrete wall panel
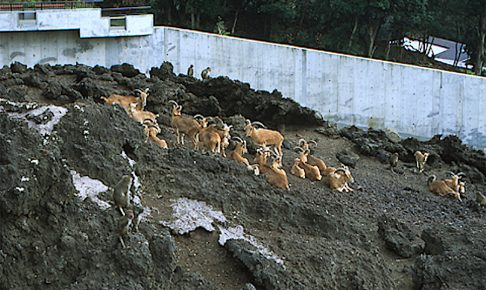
x=349 y=90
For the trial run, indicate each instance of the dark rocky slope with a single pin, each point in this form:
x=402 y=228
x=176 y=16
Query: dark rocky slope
x=389 y=234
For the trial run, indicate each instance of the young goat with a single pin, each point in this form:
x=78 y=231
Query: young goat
x=125 y=101
x=277 y=176
x=340 y=178
x=264 y=137
x=185 y=125
x=151 y=130
x=237 y=155
x=441 y=188
x=296 y=169
x=141 y=116
x=274 y=174
x=311 y=172
x=421 y=159
x=239 y=151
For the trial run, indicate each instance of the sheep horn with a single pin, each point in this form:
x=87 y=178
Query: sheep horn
x=340 y=170
x=209 y=119
x=146 y=90
x=431 y=178
x=219 y=120
x=313 y=142
x=148 y=119
x=174 y=103
x=461 y=174
x=299 y=148
x=138 y=90
x=275 y=155
x=258 y=123
x=302 y=142
x=198 y=116
x=451 y=173
x=247 y=122
x=238 y=139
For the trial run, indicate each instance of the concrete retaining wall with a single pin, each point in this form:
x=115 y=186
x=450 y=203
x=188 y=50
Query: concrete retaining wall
x=349 y=90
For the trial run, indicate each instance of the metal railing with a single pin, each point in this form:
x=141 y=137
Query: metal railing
x=20 y=6
x=122 y=11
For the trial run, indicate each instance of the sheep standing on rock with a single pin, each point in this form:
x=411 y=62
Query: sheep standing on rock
x=421 y=159
x=264 y=137
x=184 y=125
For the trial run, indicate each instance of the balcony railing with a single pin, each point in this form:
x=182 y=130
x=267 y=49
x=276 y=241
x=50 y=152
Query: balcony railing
x=122 y=11
x=20 y=6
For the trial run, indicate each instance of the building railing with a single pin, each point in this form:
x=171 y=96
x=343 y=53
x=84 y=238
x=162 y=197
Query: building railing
x=118 y=11
x=122 y=11
x=20 y=6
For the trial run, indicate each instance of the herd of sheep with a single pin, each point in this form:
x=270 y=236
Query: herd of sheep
x=213 y=135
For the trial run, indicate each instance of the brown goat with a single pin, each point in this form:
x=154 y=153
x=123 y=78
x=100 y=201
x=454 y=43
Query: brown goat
x=311 y=172
x=277 y=176
x=151 y=130
x=214 y=137
x=454 y=181
x=441 y=188
x=264 y=137
x=125 y=101
x=185 y=125
x=311 y=159
x=339 y=180
x=139 y=115
x=239 y=151
x=296 y=169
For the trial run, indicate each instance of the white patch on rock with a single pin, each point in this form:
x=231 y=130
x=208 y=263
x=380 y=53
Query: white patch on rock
x=23 y=179
x=131 y=162
x=136 y=188
x=238 y=233
x=189 y=215
x=88 y=187
x=47 y=128
x=34 y=161
x=145 y=213
x=136 y=181
x=20 y=189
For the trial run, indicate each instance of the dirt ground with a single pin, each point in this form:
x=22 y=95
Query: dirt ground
x=389 y=233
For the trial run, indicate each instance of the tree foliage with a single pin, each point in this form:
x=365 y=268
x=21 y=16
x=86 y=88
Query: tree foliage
x=360 y=27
